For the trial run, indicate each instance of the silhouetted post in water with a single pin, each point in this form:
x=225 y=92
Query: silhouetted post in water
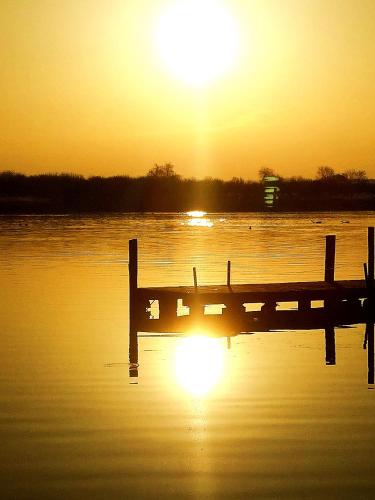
x=133 y=357
x=228 y=274
x=370 y=351
x=329 y=269
x=194 y=305
x=370 y=261
x=369 y=304
x=133 y=312
x=330 y=345
x=195 y=279
x=366 y=272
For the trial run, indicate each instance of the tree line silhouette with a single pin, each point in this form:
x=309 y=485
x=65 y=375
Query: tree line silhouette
x=162 y=190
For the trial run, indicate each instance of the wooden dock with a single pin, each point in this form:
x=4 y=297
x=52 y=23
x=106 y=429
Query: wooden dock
x=186 y=308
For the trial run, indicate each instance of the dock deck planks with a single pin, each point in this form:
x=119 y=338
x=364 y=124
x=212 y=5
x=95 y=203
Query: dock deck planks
x=260 y=292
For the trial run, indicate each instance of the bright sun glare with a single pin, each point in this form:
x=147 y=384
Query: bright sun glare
x=197 y=40
x=199 y=364
x=196 y=213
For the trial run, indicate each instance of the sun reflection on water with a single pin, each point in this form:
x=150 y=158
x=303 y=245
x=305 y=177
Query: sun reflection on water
x=199 y=364
x=196 y=213
x=200 y=222
x=198 y=219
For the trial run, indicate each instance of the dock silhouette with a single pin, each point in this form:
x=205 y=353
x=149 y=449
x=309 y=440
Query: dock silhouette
x=344 y=302
x=179 y=309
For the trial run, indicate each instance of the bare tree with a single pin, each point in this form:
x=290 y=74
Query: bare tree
x=237 y=180
x=324 y=173
x=166 y=170
x=355 y=175
x=265 y=172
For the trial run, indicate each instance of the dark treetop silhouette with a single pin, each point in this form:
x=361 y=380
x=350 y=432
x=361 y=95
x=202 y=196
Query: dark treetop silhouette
x=162 y=190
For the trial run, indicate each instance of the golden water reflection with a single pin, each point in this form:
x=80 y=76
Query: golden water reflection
x=201 y=222
x=200 y=363
x=198 y=219
x=196 y=213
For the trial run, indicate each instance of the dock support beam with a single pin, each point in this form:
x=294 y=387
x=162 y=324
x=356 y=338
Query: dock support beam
x=304 y=305
x=133 y=306
x=329 y=268
x=168 y=309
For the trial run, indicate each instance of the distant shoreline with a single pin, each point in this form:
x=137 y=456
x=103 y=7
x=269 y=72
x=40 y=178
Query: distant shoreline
x=73 y=194
x=6 y=213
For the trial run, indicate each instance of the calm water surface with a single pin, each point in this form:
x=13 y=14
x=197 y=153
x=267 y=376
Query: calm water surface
x=265 y=419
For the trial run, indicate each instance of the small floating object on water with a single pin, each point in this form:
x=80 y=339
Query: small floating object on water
x=249 y=227
x=345 y=222
x=316 y=221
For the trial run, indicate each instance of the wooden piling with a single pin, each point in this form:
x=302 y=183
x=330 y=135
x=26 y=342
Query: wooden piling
x=133 y=287
x=370 y=260
x=369 y=306
x=133 y=358
x=195 y=279
x=228 y=273
x=365 y=272
x=329 y=268
x=330 y=345
x=370 y=352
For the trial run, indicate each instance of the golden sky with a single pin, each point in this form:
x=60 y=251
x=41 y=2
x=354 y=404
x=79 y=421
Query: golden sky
x=84 y=89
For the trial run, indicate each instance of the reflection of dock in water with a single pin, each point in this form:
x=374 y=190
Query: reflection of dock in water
x=329 y=341
x=228 y=309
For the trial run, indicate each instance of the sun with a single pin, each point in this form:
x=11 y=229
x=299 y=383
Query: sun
x=197 y=40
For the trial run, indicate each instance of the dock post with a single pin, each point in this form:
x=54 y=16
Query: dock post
x=370 y=352
x=370 y=305
x=370 y=260
x=133 y=311
x=329 y=269
x=228 y=274
x=196 y=309
x=195 y=279
x=330 y=345
x=133 y=359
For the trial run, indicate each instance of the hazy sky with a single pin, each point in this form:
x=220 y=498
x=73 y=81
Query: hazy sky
x=84 y=89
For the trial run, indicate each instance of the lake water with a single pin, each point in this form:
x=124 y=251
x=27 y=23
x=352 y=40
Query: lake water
x=264 y=419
